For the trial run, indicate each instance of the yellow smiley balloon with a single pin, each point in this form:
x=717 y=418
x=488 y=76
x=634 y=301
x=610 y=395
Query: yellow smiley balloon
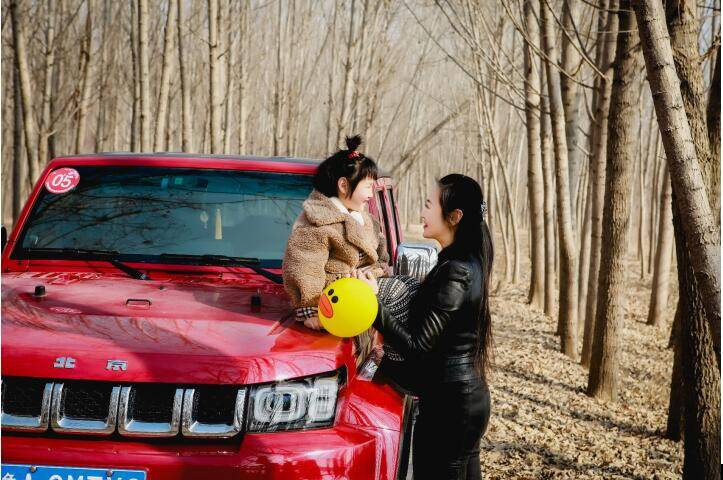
x=347 y=307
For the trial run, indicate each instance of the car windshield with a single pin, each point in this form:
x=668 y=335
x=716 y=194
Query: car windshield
x=145 y=212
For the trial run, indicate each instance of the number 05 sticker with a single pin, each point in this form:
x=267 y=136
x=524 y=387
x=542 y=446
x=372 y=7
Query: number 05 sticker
x=62 y=180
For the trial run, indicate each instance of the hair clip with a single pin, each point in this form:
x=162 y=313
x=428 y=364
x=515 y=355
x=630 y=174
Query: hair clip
x=483 y=208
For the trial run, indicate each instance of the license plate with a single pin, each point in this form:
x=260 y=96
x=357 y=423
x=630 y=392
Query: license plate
x=37 y=472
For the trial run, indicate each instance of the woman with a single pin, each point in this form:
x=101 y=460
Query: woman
x=448 y=339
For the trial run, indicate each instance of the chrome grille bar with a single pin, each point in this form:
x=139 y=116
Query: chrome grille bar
x=26 y=423
x=191 y=427
x=128 y=426
x=62 y=424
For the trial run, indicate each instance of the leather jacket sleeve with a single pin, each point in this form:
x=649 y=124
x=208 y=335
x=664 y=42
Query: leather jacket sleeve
x=448 y=295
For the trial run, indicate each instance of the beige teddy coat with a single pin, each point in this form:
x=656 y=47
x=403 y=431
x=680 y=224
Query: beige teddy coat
x=324 y=246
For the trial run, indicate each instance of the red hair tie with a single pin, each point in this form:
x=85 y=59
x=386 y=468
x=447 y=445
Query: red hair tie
x=353 y=154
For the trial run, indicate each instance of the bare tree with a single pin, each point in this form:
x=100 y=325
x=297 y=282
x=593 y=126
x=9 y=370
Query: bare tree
x=661 y=275
x=17 y=18
x=697 y=236
x=136 y=84
x=85 y=86
x=604 y=365
x=186 y=134
x=548 y=208
x=586 y=228
x=570 y=96
x=701 y=232
x=144 y=77
x=46 y=118
x=534 y=168
x=166 y=72
x=597 y=174
x=568 y=252
x=215 y=77
x=714 y=134
x=20 y=166
x=348 y=89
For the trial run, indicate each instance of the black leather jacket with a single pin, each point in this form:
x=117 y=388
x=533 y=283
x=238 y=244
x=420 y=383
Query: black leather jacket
x=441 y=339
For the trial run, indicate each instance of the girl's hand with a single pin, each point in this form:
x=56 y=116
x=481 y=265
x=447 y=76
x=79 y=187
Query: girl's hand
x=313 y=323
x=368 y=277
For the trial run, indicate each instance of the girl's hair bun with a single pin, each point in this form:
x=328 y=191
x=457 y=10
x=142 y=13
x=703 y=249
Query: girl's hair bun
x=353 y=143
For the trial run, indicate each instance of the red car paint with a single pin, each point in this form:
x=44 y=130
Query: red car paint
x=191 y=325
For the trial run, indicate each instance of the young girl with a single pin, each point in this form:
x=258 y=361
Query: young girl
x=334 y=237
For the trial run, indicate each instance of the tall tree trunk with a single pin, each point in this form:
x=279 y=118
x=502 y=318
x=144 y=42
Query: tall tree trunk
x=661 y=275
x=45 y=124
x=26 y=92
x=20 y=166
x=548 y=207
x=278 y=82
x=584 y=265
x=642 y=170
x=102 y=83
x=570 y=97
x=653 y=218
x=144 y=77
x=597 y=175
x=331 y=136
x=243 y=76
x=513 y=264
x=347 y=91
x=535 y=188
x=586 y=228
x=676 y=400
x=702 y=235
x=84 y=99
x=134 y=144
x=231 y=52
x=186 y=131
x=605 y=360
x=713 y=120
x=568 y=251
x=166 y=72
x=700 y=331
x=56 y=81
x=215 y=77
x=700 y=377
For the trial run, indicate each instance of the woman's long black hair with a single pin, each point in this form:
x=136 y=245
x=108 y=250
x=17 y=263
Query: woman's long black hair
x=472 y=237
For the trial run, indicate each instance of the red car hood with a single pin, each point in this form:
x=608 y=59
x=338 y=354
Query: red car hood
x=191 y=330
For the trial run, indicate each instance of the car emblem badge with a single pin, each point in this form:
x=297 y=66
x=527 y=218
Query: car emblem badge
x=116 y=365
x=64 y=362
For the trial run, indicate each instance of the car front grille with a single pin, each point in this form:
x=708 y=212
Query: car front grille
x=137 y=410
x=25 y=404
x=215 y=412
x=23 y=396
x=86 y=401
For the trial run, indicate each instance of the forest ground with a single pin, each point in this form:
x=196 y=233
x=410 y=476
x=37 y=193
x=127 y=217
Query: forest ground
x=543 y=426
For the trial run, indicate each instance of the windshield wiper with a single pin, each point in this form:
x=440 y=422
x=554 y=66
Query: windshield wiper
x=246 y=262
x=91 y=254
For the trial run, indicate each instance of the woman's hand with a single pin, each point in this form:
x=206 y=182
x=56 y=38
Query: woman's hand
x=368 y=277
x=313 y=323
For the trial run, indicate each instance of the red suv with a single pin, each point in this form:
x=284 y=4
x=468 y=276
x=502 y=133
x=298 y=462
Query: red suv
x=146 y=334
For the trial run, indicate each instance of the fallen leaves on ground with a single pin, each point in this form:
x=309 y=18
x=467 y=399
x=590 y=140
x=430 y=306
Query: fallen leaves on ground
x=544 y=426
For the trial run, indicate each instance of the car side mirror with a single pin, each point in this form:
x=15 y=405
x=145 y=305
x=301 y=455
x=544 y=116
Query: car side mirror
x=4 y=237
x=415 y=259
